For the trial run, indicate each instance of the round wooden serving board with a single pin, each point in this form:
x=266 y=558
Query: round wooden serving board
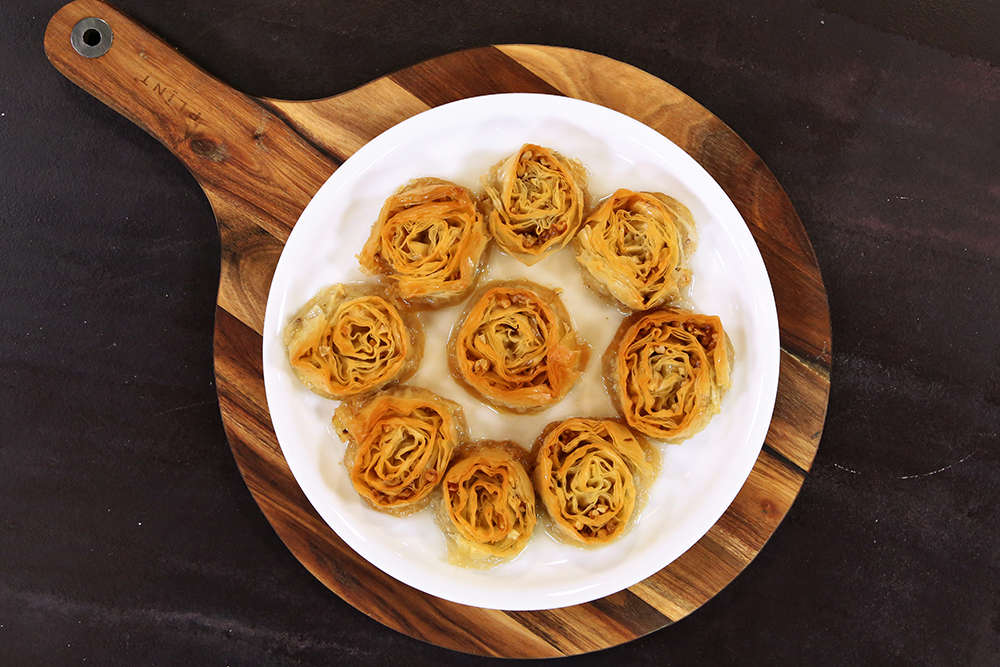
x=259 y=162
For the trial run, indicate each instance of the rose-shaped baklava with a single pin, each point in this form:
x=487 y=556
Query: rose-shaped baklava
x=668 y=370
x=535 y=201
x=351 y=339
x=488 y=503
x=400 y=443
x=590 y=475
x=635 y=248
x=428 y=241
x=515 y=348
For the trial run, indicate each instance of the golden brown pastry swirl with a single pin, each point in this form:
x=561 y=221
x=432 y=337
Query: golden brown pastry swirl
x=590 y=475
x=668 y=371
x=635 y=247
x=515 y=348
x=489 y=503
x=535 y=201
x=429 y=241
x=351 y=340
x=400 y=442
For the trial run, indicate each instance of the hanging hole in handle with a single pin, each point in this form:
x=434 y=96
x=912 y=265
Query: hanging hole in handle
x=91 y=37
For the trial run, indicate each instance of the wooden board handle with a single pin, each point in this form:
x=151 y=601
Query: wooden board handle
x=235 y=148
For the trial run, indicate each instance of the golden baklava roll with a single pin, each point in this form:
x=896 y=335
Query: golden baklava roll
x=635 y=247
x=515 y=347
x=488 y=503
x=400 y=443
x=668 y=370
x=591 y=476
x=428 y=241
x=535 y=201
x=351 y=339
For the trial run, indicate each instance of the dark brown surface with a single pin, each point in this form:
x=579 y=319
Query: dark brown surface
x=841 y=586
x=257 y=172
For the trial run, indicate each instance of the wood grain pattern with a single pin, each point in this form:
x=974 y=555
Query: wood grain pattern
x=260 y=161
x=334 y=124
x=467 y=74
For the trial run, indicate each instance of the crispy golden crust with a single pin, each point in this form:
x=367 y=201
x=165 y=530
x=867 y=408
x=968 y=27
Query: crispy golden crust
x=635 y=247
x=428 y=241
x=489 y=503
x=515 y=348
x=668 y=370
x=535 y=201
x=400 y=443
x=590 y=475
x=352 y=339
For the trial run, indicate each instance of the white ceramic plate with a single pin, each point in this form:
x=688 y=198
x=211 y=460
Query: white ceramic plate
x=699 y=478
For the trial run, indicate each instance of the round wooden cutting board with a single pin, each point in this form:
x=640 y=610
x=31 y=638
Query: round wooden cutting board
x=259 y=162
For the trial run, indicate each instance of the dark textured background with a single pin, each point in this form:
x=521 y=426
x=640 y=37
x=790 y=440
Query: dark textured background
x=127 y=534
